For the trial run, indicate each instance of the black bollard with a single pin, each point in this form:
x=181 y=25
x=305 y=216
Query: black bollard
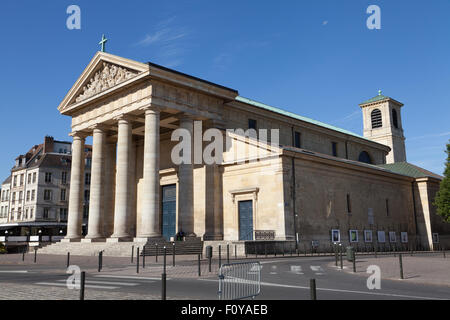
x=163 y=278
x=173 y=254
x=143 y=258
x=132 y=253
x=137 y=260
x=100 y=254
x=312 y=286
x=265 y=249
x=336 y=255
x=23 y=255
x=235 y=252
x=82 y=282
x=68 y=259
x=401 y=265
x=354 y=261
x=220 y=256
x=35 y=254
x=156 y=252
x=199 y=267
x=209 y=262
x=228 y=253
x=340 y=255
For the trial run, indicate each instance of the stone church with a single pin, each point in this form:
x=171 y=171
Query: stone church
x=317 y=185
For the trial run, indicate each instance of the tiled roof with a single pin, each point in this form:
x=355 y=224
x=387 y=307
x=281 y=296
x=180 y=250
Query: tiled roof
x=410 y=170
x=296 y=116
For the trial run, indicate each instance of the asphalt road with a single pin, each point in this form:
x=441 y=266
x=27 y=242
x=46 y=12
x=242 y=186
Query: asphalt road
x=281 y=279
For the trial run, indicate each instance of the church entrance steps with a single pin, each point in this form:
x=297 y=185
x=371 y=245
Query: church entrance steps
x=189 y=247
x=118 y=249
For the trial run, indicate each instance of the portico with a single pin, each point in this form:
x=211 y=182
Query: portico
x=128 y=108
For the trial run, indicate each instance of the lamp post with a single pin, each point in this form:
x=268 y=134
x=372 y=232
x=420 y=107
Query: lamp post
x=40 y=235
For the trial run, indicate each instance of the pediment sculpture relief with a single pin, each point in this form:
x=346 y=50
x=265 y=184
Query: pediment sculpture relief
x=109 y=76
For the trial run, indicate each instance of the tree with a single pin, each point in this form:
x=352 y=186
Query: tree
x=442 y=200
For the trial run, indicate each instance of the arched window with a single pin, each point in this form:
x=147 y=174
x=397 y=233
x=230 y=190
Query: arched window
x=364 y=157
x=376 y=119
x=394 y=118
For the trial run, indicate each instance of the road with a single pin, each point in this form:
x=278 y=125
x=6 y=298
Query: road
x=282 y=279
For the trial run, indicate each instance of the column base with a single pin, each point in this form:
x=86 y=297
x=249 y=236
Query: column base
x=90 y=240
x=119 y=239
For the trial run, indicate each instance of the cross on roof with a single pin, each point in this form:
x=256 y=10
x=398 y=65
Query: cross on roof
x=103 y=43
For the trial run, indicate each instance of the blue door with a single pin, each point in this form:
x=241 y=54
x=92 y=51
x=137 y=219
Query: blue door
x=169 y=211
x=245 y=220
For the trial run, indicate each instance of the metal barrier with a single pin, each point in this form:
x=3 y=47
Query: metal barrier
x=239 y=280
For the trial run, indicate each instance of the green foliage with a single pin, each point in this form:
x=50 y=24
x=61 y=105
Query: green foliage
x=442 y=200
x=2 y=248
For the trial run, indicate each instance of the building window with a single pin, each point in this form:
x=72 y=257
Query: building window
x=88 y=162
x=22 y=176
x=19 y=214
x=376 y=119
x=64 y=177
x=394 y=118
x=334 y=148
x=87 y=179
x=45 y=214
x=63 y=214
x=15 y=181
x=85 y=212
x=297 y=140
x=31 y=213
x=252 y=124
x=20 y=195
x=48 y=177
x=47 y=195
x=26 y=214
x=349 y=204
x=28 y=195
x=63 y=194
x=364 y=157
x=33 y=195
x=86 y=195
x=13 y=197
x=34 y=177
x=29 y=178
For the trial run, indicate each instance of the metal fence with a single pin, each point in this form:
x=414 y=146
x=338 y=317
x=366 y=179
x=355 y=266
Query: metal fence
x=239 y=280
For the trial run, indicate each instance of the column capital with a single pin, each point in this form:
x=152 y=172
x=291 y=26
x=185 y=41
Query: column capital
x=123 y=117
x=151 y=108
x=99 y=126
x=79 y=134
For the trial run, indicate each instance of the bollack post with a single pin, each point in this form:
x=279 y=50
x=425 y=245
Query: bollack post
x=312 y=286
x=173 y=254
x=228 y=253
x=156 y=252
x=164 y=278
x=132 y=253
x=209 y=263
x=35 y=254
x=143 y=258
x=68 y=259
x=137 y=260
x=235 y=252
x=82 y=282
x=199 y=267
x=401 y=265
x=340 y=255
x=354 y=262
x=336 y=255
x=100 y=254
x=220 y=256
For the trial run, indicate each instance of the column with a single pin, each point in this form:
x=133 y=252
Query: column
x=150 y=222
x=109 y=190
x=75 y=215
x=96 y=204
x=122 y=198
x=186 y=187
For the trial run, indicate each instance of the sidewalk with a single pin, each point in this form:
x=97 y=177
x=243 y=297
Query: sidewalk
x=424 y=269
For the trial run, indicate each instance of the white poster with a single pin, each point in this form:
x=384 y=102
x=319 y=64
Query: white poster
x=368 y=236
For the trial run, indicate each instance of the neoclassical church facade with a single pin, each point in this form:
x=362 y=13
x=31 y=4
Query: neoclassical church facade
x=316 y=185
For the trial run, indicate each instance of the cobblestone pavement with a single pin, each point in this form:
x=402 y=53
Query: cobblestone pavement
x=13 y=291
x=430 y=268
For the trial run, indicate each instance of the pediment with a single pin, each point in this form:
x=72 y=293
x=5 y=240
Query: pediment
x=104 y=73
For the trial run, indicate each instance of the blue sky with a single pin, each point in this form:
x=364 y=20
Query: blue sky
x=315 y=58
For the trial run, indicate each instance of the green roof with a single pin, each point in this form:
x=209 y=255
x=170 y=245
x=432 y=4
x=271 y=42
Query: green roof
x=410 y=170
x=296 y=116
x=379 y=97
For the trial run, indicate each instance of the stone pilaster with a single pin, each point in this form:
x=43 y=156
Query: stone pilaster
x=150 y=221
x=109 y=188
x=96 y=203
x=75 y=215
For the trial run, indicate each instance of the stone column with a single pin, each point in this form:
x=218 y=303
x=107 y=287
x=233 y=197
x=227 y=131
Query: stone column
x=150 y=222
x=96 y=204
x=109 y=188
x=75 y=216
x=186 y=187
x=122 y=198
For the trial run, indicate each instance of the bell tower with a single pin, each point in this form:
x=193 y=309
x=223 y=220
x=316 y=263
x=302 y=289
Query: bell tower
x=383 y=124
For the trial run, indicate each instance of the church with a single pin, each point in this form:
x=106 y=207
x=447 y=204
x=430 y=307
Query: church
x=312 y=184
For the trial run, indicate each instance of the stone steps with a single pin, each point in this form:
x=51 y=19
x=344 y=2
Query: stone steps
x=120 y=249
x=181 y=248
